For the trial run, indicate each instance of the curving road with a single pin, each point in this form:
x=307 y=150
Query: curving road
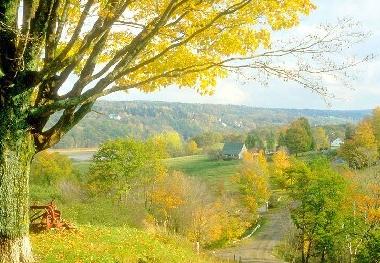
x=260 y=247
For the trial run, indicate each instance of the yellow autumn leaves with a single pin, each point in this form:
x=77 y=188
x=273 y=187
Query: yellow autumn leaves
x=253 y=181
x=188 y=40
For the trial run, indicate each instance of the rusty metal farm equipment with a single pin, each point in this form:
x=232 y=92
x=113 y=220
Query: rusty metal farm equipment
x=46 y=217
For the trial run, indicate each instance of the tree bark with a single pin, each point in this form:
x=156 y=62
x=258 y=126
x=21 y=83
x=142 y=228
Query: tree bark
x=15 y=250
x=16 y=152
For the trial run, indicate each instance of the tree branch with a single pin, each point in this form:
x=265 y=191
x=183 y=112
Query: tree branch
x=51 y=33
x=68 y=120
x=122 y=63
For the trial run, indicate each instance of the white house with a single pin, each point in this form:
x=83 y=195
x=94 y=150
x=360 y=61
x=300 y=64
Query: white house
x=335 y=144
x=114 y=116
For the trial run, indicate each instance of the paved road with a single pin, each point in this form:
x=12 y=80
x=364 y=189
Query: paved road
x=259 y=248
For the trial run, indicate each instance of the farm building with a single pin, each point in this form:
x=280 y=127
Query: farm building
x=233 y=150
x=335 y=144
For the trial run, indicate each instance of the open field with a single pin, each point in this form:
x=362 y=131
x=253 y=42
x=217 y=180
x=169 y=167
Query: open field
x=82 y=166
x=213 y=172
x=103 y=235
x=113 y=244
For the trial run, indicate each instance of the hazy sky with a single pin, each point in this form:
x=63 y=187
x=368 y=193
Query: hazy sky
x=365 y=93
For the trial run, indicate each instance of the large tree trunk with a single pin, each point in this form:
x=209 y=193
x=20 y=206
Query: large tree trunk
x=16 y=152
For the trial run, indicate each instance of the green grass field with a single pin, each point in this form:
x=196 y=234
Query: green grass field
x=213 y=172
x=104 y=235
x=113 y=244
x=82 y=167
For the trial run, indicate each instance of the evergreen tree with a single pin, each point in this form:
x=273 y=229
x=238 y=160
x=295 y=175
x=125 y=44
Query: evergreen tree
x=282 y=139
x=270 y=142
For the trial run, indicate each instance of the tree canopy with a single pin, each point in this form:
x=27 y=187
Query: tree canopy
x=117 y=162
x=321 y=139
x=320 y=192
x=361 y=150
x=298 y=137
x=376 y=126
x=48 y=168
x=253 y=140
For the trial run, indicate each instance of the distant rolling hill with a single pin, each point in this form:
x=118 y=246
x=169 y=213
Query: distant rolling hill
x=111 y=119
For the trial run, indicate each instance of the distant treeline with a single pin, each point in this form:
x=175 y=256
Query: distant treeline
x=141 y=119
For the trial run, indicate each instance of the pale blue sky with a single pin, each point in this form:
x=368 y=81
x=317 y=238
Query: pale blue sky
x=366 y=89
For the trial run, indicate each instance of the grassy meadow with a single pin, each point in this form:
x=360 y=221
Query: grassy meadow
x=113 y=244
x=103 y=230
x=213 y=172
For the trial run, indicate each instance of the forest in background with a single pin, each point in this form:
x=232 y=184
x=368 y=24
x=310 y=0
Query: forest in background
x=142 y=119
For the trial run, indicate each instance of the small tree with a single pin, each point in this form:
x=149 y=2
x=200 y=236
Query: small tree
x=192 y=147
x=282 y=139
x=254 y=140
x=349 y=132
x=171 y=141
x=167 y=195
x=117 y=162
x=320 y=192
x=321 y=139
x=252 y=181
x=208 y=139
x=298 y=137
x=361 y=150
x=281 y=162
x=270 y=142
x=48 y=168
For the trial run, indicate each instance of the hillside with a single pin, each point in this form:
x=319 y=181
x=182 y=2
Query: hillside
x=142 y=118
x=108 y=244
